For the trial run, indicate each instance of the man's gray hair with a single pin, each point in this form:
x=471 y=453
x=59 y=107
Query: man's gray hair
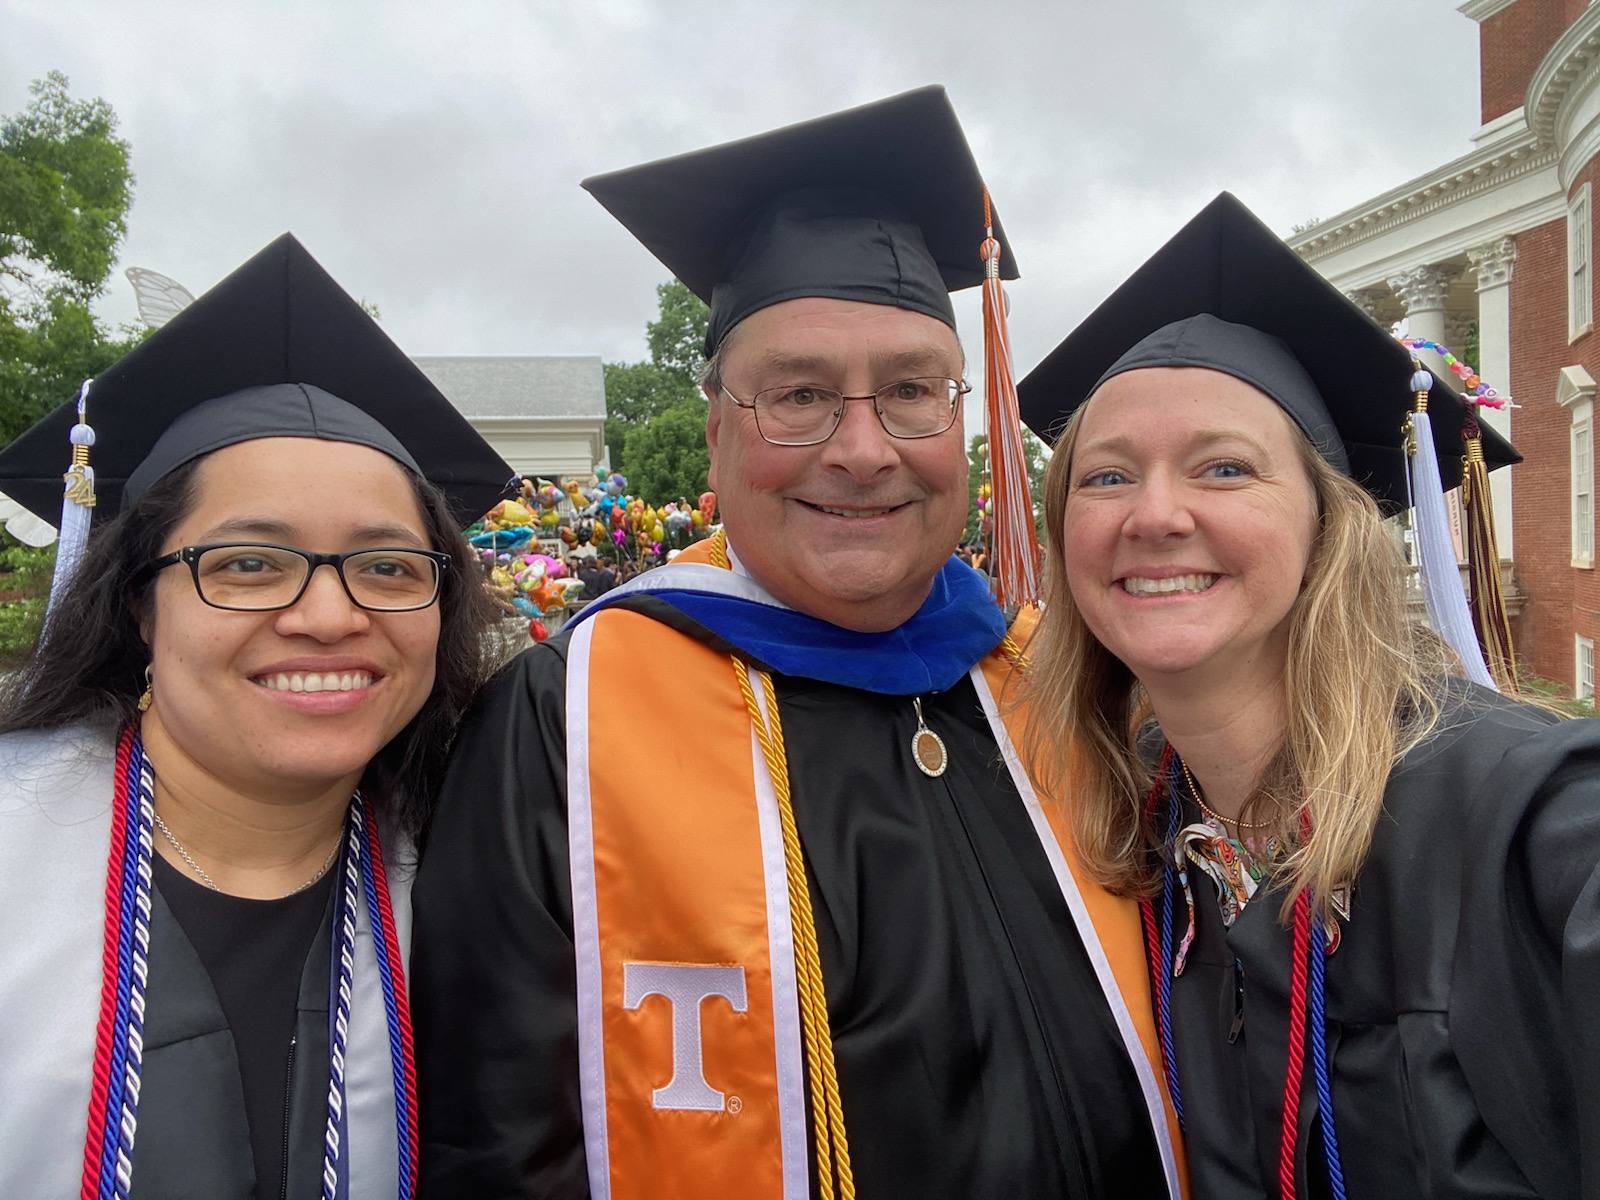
x=711 y=371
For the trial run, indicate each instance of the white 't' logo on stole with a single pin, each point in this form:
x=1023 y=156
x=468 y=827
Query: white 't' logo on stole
x=685 y=986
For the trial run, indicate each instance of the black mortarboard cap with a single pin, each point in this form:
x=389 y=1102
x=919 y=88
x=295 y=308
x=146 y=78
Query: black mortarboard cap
x=1227 y=293
x=271 y=410
x=279 y=319
x=882 y=203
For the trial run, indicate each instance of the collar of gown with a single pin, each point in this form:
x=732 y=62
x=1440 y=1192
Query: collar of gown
x=955 y=627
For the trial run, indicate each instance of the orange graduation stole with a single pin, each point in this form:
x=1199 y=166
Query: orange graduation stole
x=692 y=1063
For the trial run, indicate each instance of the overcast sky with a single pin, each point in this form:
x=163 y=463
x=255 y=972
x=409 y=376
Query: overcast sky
x=429 y=154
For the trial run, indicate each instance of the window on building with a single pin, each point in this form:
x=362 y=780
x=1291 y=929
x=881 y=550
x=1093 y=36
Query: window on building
x=1580 y=285
x=1583 y=668
x=1583 y=484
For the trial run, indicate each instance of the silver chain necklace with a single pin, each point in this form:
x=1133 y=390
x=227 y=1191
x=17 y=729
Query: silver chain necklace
x=212 y=883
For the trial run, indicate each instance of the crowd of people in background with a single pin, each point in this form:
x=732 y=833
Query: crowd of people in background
x=974 y=555
x=599 y=573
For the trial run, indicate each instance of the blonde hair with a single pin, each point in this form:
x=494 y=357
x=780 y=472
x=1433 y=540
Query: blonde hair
x=1357 y=697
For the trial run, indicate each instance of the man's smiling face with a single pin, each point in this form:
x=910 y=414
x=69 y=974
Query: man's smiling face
x=852 y=530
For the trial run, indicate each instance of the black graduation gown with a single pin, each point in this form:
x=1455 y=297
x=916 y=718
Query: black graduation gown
x=1463 y=1048
x=977 y=1057
x=193 y=1139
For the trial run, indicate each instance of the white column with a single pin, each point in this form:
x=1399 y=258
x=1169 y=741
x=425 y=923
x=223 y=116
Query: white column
x=1493 y=264
x=1458 y=327
x=1368 y=300
x=1422 y=290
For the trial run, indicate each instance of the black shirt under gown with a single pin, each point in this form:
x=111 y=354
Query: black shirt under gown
x=227 y=1109
x=1461 y=1033
x=977 y=1057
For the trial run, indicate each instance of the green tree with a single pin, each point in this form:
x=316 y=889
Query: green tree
x=65 y=188
x=667 y=458
x=977 y=469
x=24 y=585
x=1037 y=456
x=637 y=393
x=46 y=353
x=677 y=337
x=662 y=463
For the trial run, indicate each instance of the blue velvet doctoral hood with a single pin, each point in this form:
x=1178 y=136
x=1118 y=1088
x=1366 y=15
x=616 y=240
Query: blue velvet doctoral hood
x=956 y=626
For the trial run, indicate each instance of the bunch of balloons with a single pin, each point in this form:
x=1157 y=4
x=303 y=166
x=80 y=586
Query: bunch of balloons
x=602 y=515
x=509 y=525
x=530 y=584
x=982 y=502
x=605 y=516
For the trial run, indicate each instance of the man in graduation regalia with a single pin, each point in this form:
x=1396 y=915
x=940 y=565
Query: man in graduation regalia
x=736 y=886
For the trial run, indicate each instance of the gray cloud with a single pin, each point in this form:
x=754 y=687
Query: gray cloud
x=430 y=157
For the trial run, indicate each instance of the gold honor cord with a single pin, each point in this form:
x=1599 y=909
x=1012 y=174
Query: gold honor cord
x=1486 y=597
x=827 y=1111
x=1012 y=653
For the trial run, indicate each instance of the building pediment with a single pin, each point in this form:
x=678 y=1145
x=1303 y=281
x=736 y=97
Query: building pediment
x=1496 y=163
x=1482 y=10
x=1572 y=385
x=1556 y=130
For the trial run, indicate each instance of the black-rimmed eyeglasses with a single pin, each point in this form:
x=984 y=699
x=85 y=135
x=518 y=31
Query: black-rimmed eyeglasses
x=261 y=577
x=805 y=415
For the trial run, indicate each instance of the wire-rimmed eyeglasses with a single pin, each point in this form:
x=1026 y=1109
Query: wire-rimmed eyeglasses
x=262 y=577
x=807 y=415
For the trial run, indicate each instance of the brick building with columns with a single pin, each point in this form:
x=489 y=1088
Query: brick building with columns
x=1502 y=237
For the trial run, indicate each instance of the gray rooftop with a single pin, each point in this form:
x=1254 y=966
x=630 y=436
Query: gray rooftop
x=546 y=386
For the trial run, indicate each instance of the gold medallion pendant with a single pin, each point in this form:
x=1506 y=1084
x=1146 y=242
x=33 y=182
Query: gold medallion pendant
x=927 y=747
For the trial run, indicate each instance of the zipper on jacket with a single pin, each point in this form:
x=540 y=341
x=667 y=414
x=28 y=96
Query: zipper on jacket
x=288 y=1108
x=1238 y=1003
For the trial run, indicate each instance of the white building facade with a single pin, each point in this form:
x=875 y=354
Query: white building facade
x=1499 y=239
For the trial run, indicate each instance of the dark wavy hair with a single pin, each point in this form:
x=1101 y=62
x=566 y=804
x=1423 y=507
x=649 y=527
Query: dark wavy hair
x=88 y=664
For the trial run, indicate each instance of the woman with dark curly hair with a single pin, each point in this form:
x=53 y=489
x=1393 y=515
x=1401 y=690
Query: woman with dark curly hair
x=214 y=766
x=1371 y=887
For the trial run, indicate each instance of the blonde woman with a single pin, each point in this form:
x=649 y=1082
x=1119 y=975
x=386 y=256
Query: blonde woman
x=1370 y=892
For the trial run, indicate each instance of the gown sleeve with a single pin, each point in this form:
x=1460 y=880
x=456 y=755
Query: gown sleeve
x=1527 y=972
x=493 y=988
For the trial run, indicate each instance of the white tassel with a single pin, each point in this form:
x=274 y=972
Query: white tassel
x=1436 y=555
x=77 y=505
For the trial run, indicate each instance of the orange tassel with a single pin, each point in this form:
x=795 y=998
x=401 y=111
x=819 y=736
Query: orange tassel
x=1014 y=549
